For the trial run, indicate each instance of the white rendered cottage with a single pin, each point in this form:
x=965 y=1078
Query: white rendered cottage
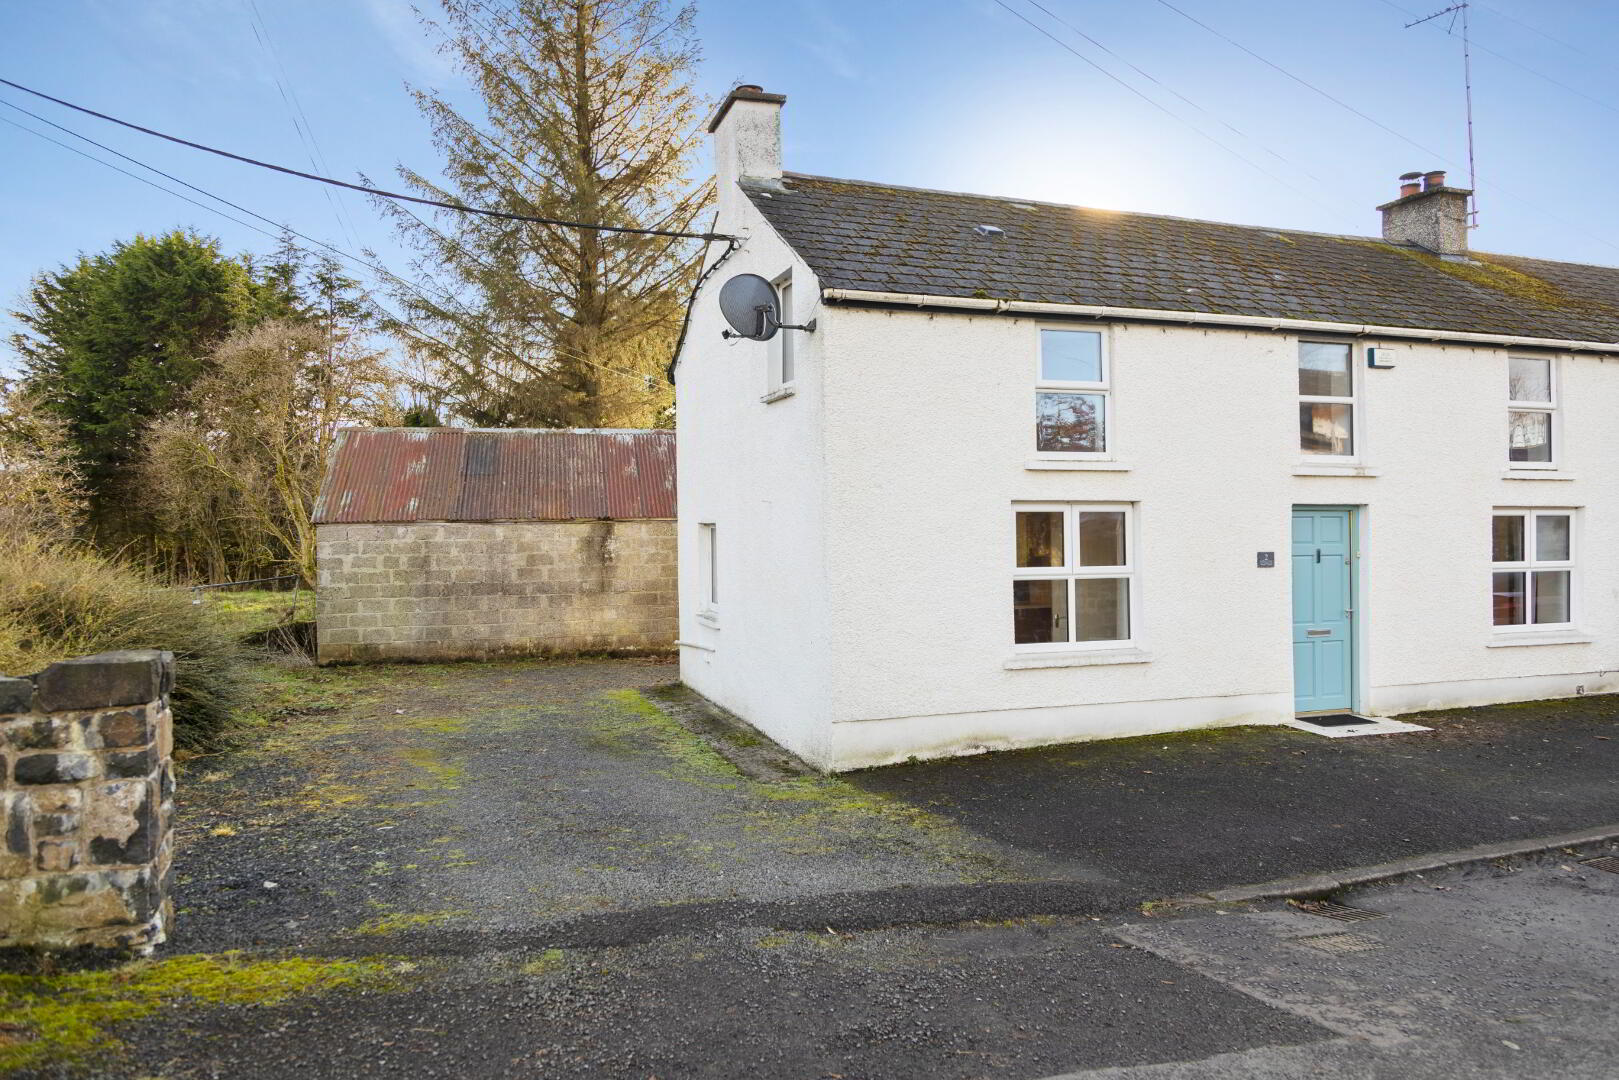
x=1043 y=473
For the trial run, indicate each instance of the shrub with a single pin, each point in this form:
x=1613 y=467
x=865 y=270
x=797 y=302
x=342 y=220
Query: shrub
x=60 y=601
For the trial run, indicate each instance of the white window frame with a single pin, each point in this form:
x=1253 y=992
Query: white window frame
x=1528 y=566
x=708 y=598
x=1549 y=408
x=1102 y=388
x=1356 y=434
x=1070 y=572
x=783 y=360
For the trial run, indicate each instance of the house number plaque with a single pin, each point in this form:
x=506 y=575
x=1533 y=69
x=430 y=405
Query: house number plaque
x=1267 y=558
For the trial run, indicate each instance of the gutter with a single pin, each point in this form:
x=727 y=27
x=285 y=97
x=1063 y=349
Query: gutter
x=1200 y=318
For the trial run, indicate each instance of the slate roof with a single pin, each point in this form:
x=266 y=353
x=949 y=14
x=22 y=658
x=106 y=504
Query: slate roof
x=519 y=474
x=858 y=235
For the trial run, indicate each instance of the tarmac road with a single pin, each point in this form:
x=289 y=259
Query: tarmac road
x=1469 y=974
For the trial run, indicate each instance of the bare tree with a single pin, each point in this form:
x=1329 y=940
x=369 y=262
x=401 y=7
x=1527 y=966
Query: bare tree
x=42 y=491
x=246 y=463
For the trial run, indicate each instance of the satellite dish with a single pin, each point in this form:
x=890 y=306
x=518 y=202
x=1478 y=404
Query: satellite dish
x=749 y=304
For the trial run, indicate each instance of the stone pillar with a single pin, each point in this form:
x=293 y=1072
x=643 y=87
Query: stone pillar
x=86 y=800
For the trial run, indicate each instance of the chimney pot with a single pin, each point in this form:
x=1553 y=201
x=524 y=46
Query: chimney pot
x=1433 y=179
x=1410 y=183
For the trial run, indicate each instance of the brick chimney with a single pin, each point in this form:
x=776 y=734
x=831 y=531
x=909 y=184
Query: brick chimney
x=1428 y=215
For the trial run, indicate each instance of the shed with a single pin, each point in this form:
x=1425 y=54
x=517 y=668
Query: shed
x=458 y=543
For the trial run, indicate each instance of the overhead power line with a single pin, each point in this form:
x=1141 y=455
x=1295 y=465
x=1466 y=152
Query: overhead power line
x=296 y=113
x=1284 y=159
x=283 y=229
x=378 y=192
x=133 y=176
x=1160 y=106
x=1536 y=205
x=1515 y=63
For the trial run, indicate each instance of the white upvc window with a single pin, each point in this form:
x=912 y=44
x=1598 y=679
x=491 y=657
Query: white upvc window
x=781 y=346
x=1532 y=569
x=1532 y=420
x=1073 y=577
x=1073 y=398
x=1327 y=421
x=708 y=576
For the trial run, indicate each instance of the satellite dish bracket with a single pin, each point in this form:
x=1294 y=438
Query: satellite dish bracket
x=767 y=321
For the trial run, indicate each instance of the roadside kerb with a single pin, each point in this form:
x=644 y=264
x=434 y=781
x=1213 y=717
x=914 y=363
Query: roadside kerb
x=1314 y=886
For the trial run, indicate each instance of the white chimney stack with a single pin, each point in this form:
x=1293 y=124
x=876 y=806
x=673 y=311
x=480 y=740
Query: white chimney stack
x=747 y=142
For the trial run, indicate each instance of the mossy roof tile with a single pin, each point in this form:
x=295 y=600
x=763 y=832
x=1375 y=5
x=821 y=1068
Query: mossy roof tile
x=858 y=235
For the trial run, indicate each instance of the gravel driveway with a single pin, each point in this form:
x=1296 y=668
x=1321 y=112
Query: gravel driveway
x=529 y=869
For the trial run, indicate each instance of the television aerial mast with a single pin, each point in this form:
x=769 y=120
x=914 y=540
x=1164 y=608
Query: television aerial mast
x=1458 y=14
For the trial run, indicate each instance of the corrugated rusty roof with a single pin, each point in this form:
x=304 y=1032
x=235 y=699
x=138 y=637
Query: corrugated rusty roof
x=467 y=474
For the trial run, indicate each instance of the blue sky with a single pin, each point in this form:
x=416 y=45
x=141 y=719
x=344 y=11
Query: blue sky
x=954 y=94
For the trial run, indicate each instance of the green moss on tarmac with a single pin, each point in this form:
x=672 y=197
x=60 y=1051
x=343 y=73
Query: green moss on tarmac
x=400 y=921
x=58 y=1019
x=549 y=962
x=630 y=721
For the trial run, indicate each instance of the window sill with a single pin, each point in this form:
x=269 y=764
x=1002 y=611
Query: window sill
x=1076 y=658
x=1542 y=637
x=1075 y=465
x=709 y=618
x=1534 y=474
x=778 y=394
x=1314 y=469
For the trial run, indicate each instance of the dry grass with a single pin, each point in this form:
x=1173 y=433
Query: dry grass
x=59 y=601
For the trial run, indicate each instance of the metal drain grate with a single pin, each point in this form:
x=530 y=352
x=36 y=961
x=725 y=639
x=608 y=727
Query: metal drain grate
x=1339 y=943
x=1606 y=862
x=1342 y=912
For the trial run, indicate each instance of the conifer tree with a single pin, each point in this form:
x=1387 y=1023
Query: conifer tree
x=588 y=114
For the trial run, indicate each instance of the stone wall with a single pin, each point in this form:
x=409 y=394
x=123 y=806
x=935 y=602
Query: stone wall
x=477 y=590
x=86 y=803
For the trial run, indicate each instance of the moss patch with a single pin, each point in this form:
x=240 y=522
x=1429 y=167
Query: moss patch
x=631 y=721
x=59 y=1018
x=439 y=774
x=1513 y=283
x=549 y=962
x=399 y=921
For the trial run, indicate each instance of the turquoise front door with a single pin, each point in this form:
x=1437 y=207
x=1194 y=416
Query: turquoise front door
x=1323 y=610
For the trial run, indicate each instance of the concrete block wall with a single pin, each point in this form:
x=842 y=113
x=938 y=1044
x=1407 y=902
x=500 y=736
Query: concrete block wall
x=477 y=590
x=86 y=801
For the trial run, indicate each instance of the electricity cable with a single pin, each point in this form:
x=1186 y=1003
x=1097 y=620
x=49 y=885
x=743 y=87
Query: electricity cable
x=1160 y=106
x=283 y=228
x=378 y=192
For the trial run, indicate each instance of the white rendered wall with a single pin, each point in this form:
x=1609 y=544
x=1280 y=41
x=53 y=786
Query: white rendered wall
x=928 y=434
x=754 y=469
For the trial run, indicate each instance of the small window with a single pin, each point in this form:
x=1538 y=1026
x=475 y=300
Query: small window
x=1071 y=400
x=1326 y=399
x=781 y=346
x=1073 y=577
x=1532 y=571
x=708 y=583
x=1531 y=412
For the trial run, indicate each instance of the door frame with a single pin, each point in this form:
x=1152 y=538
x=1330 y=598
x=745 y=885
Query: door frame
x=1357 y=620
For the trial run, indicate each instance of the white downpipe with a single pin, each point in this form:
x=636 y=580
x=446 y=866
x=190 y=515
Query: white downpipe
x=1255 y=322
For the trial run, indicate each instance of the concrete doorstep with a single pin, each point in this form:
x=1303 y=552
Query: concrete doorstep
x=1316 y=886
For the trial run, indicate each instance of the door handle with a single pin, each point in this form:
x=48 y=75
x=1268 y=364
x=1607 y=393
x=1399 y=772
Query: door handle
x=1348 y=611
x=1317 y=554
